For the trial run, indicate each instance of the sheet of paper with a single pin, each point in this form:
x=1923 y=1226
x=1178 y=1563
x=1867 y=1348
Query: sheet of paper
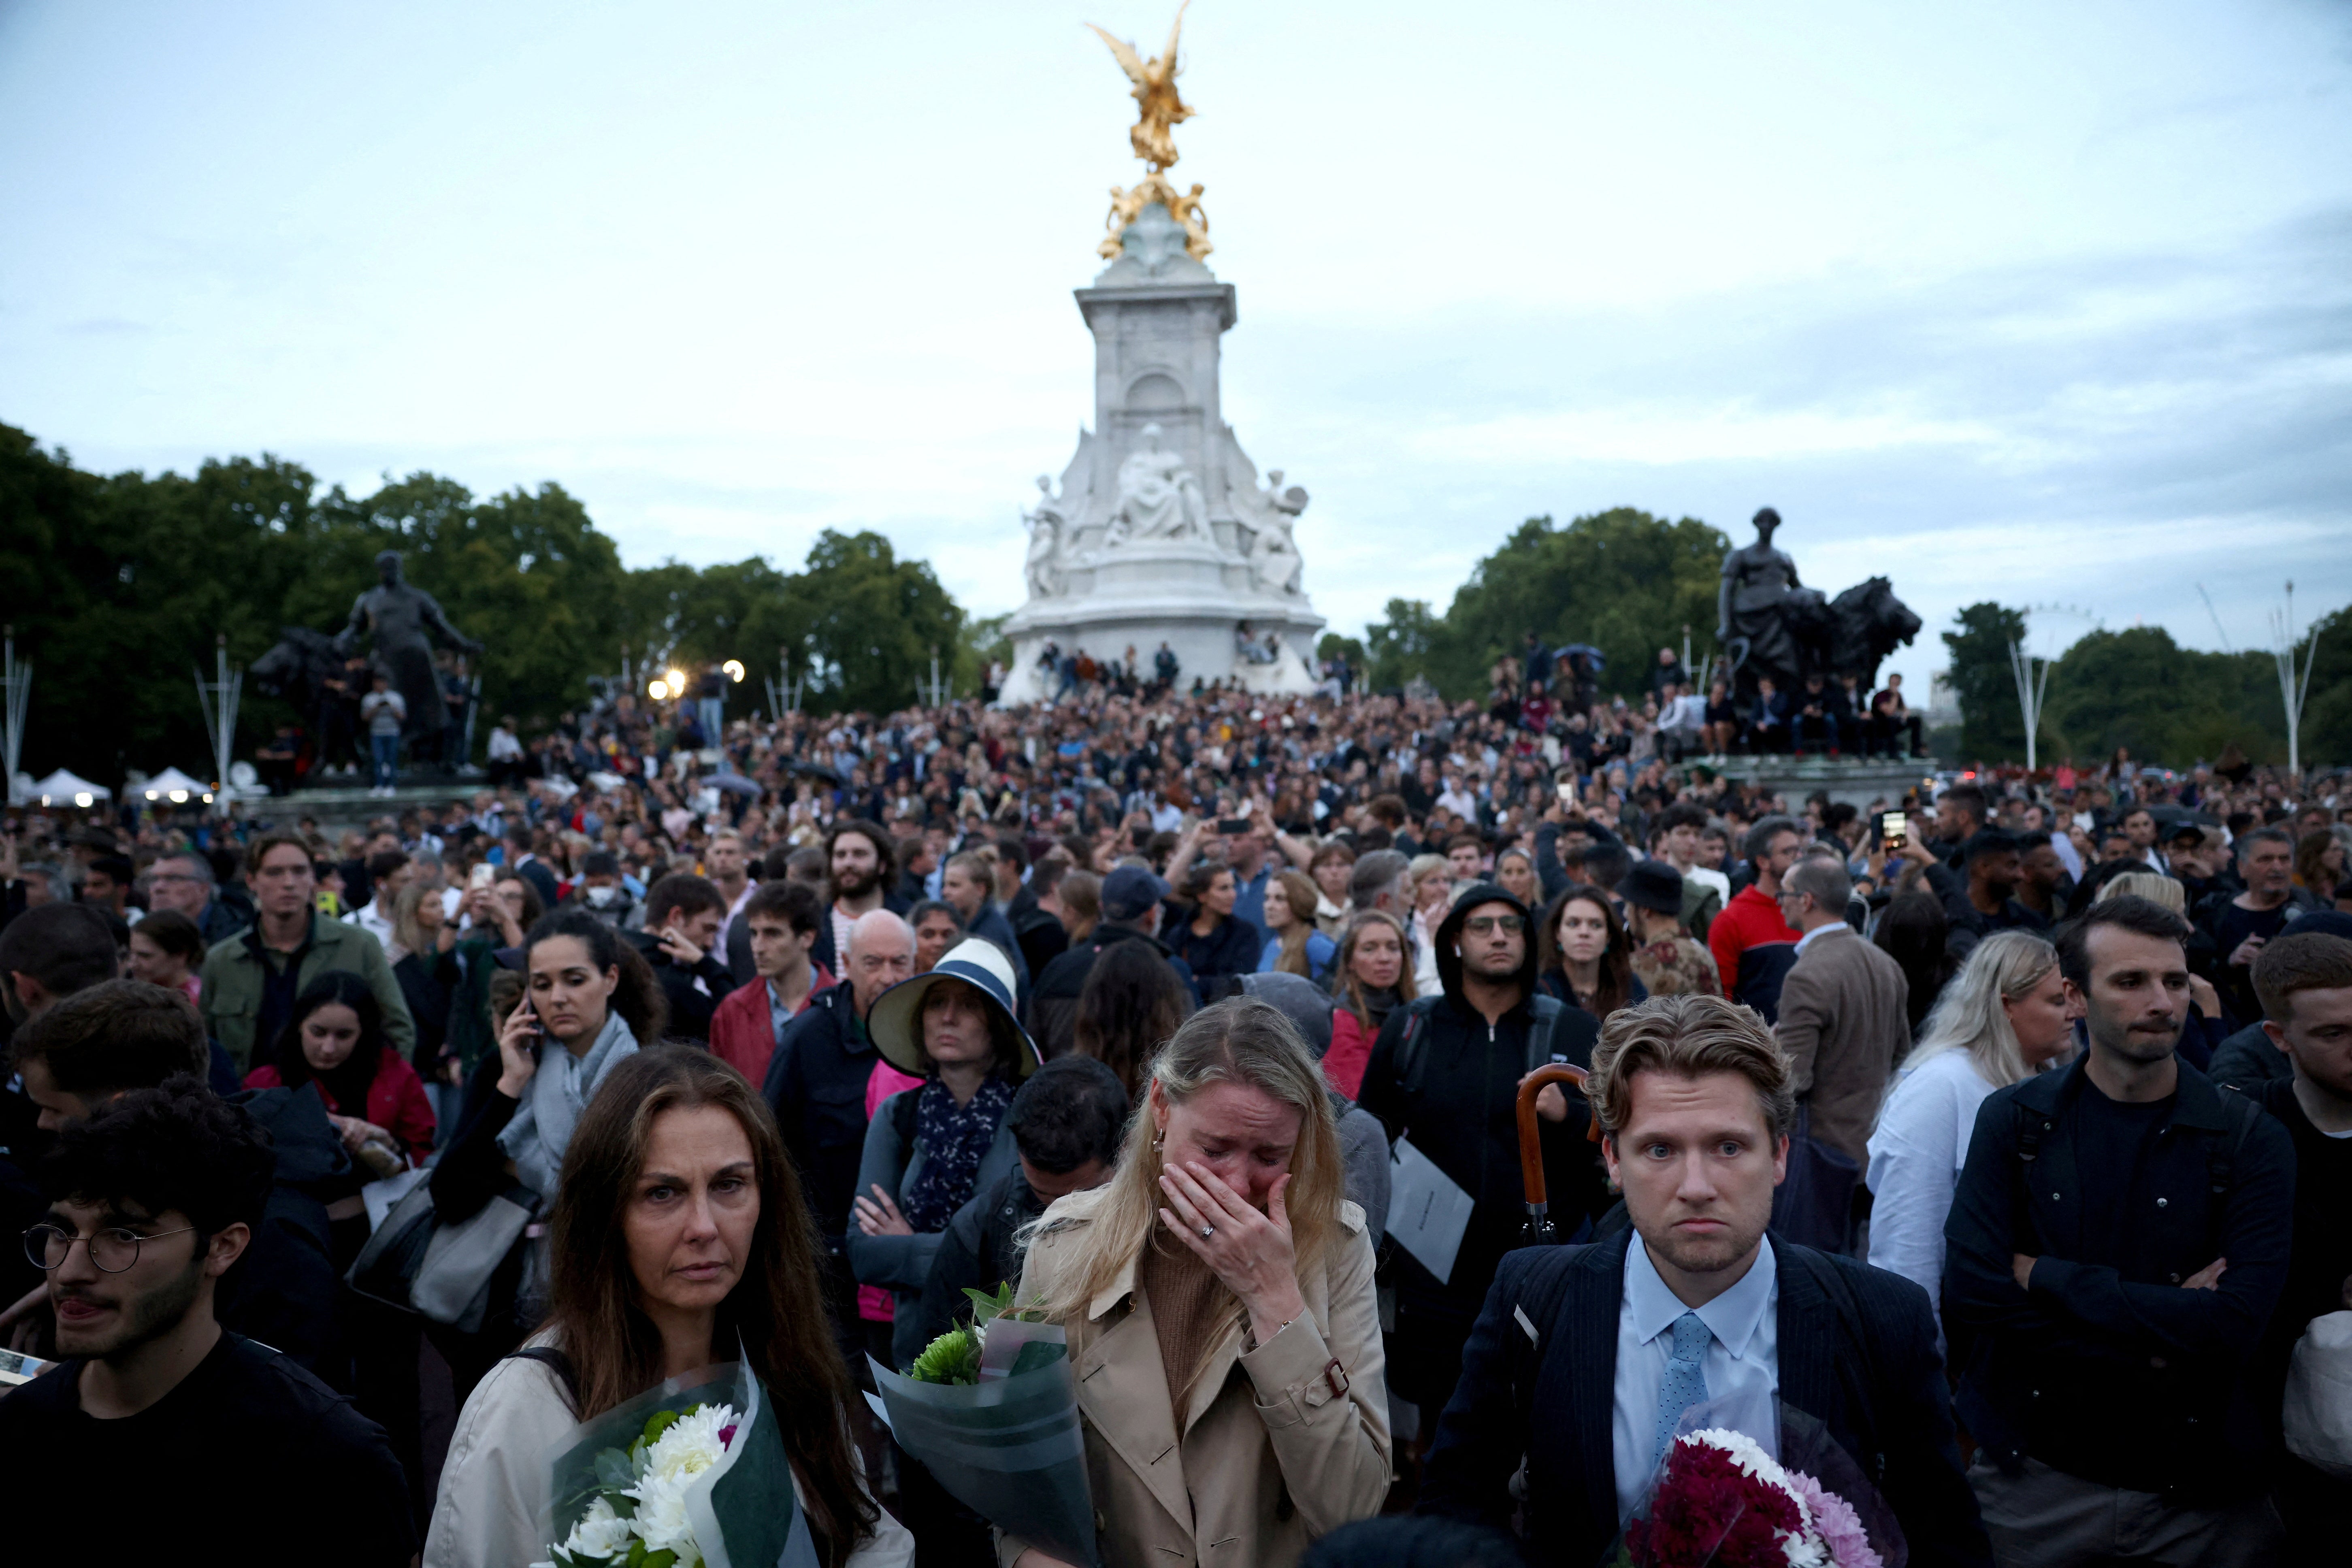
x=379 y=1196
x=1427 y=1211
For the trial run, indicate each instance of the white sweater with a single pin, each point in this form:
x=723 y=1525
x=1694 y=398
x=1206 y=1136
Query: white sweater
x=494 y=1486
x=1915 y=1155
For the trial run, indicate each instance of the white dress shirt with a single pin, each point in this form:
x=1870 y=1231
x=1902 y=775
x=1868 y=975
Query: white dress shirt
x=1742 y=1360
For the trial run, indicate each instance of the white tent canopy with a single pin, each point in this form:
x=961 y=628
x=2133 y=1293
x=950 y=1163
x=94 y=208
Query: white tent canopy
x=176 y=786
x=63 y=788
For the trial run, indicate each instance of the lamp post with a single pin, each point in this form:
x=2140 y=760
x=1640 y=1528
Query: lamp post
x=218 y=697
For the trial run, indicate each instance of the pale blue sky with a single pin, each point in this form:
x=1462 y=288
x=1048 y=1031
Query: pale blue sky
x=2048 y=303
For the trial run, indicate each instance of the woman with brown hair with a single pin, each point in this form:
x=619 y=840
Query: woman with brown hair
x=1218 y=1298
x=929 y=1147
x=1372 y=978
x=682 y=1240
x=1583 y=955
x=1293 y=944
x=2319 y=864
x=1132 y=1003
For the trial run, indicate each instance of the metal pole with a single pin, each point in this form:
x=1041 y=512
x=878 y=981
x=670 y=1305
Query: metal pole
x=16 y=681
x=2293 y=685
x=2031 y=685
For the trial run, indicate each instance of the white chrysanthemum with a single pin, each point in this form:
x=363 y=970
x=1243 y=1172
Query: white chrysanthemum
x=692 y=1445
x=661 y=1522
x=600 y=1532
x=1803 y=1547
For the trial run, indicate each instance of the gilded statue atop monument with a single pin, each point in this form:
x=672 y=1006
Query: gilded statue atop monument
x=1160 y=110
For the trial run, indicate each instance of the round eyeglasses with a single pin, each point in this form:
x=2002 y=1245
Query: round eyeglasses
x=110 y=1251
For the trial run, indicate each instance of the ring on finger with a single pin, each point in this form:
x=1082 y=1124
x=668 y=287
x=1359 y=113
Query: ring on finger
x=1207 y=1231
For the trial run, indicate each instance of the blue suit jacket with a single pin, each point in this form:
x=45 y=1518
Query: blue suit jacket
x=1857 y=1352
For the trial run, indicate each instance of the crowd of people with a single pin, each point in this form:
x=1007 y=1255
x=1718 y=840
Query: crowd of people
x=2012 y=1118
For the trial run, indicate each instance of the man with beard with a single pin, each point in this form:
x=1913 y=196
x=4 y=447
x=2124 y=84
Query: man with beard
x=1980 y=899
x=2043 y=883
x=1445 y=1075
x=2119 y=1238
x=1585 y=1360
x=158 y=1420
x=859 y=866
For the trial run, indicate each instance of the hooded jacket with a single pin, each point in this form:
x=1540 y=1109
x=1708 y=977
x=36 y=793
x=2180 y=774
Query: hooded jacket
x=1464 y=1116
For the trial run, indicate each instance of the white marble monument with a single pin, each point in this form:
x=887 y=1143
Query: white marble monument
x=1160 y=530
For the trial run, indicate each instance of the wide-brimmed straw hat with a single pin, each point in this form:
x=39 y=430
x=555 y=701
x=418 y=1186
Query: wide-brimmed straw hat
x=896 y=1023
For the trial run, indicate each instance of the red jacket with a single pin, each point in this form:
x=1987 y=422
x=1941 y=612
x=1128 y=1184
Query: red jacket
x=1750 y=920
x=1350 y=1053
x=396 y=1101
x=740 y=1033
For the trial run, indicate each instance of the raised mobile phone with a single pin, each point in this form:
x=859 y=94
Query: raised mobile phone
x=482 y=876
x=1229 y=826
x=17 y=1368
x=1894 y=831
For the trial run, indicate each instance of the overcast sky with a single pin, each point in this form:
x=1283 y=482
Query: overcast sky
x=2047 y=303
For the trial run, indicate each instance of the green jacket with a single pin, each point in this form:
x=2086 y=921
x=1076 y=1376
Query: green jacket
x=233 y=983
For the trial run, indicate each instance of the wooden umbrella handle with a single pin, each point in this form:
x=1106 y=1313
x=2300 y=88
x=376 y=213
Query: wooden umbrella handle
x=1532 y=1170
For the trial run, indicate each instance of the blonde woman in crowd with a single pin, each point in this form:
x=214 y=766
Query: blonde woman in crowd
x=1219 y=1301
x=2003 y=1019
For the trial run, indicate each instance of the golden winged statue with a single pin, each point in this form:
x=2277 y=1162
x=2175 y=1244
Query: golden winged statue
x=1155 y=91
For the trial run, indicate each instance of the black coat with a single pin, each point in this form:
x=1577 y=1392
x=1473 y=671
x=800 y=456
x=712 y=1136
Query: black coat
x=284 y=1290
x=1856 y=1349
x=817 y=1085
x=976 y=1250
x=1053 y=1000
x=2106 y=1368
x=1232 y=947
x=690 y=1005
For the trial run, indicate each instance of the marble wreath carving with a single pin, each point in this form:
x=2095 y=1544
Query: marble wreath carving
x=1160 y=499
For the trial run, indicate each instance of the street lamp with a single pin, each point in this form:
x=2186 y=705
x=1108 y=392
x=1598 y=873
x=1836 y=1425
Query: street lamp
x=659 y=690
x=734 y=668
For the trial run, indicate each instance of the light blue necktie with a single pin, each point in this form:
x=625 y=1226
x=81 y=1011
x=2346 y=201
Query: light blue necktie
x=1685 y=1384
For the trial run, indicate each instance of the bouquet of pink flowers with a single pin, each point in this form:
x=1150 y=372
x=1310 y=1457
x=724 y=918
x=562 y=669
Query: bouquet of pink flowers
x=1723 y=1499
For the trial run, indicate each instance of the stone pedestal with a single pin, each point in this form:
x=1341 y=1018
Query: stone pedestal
x=1160 y=530
x=1854 y=780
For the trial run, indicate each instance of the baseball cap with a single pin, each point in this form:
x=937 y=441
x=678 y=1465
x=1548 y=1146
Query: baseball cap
x=1130 y=891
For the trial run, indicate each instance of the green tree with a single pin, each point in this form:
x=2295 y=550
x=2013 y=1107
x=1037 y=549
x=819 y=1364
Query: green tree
x=2138 y=689
x=866 y=623
x=1622 y=580
x=1992 y=726
x=2326 y=738
x=1402 y=644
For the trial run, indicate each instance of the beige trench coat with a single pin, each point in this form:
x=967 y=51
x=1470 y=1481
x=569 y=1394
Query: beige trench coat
x=1279 y=1445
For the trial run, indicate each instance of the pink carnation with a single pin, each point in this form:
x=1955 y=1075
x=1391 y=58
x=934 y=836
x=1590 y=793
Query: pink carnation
x=1840 y=1527
x=726 y=1437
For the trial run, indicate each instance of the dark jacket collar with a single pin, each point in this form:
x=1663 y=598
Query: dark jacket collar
x=2195 y=1102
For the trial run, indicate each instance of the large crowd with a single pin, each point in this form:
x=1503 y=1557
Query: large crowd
x=2004 y=1127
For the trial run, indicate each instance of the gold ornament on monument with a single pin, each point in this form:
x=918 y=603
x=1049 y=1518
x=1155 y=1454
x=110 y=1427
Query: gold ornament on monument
x=1160 y=110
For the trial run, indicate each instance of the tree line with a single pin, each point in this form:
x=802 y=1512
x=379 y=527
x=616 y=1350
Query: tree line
x=1629 y=583
x=118 y=584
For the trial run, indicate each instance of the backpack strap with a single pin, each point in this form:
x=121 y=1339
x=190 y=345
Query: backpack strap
x=1413 y=1047
x=1548 y=1010
x=556 y=1361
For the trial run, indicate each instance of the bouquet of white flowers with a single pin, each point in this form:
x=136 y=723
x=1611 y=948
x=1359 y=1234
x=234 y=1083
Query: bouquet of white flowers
x=691 y=1473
